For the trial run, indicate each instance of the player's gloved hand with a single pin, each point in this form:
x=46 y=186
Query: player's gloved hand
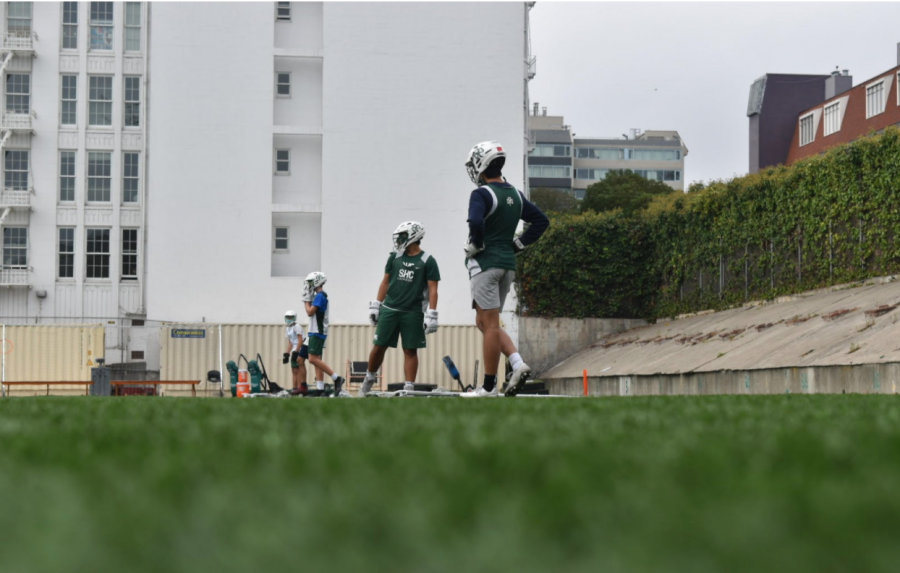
x=518 y=247
x=374 y=311
x=472 y=249
x=307 y=293
x=284 y=358
x=295 y=356
x=431 y=321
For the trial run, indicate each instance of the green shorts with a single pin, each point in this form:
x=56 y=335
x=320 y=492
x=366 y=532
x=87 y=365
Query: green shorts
x=316 y=345
x=394 y=323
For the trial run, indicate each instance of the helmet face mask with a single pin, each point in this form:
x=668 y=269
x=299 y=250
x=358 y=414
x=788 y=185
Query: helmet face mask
x=406 y=234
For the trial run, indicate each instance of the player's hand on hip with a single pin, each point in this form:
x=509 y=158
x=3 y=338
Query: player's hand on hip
x=431 y=321
x=518 y=247
x=374 y=311
x=472 y=249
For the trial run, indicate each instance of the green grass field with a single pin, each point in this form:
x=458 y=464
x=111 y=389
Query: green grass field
x=761 y=484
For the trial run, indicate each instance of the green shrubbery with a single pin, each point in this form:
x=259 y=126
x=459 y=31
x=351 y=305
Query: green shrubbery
x=826 y=220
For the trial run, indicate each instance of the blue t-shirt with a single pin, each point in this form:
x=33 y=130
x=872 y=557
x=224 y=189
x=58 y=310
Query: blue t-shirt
x=318 y=323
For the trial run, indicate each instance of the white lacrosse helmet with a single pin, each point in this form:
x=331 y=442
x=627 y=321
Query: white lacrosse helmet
x=315 y=279
x=406 y=234
x=480 y=157
x=290 y=317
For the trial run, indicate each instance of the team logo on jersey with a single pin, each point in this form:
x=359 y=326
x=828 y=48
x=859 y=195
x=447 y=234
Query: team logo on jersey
x=409 y=264
x=509 y=201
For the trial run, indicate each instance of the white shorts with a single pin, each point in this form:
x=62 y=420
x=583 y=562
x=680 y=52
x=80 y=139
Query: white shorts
x=490 y=287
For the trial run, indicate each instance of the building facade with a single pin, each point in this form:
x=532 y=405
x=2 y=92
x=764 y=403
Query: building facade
x=550 y=152
x=797 y=116
x=559 y=160
x=272 y=141
x=656 y=155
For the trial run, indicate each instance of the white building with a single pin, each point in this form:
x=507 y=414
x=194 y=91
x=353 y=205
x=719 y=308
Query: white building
x=194 y=161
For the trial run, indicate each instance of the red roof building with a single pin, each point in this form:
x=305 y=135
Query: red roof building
x=867 y=108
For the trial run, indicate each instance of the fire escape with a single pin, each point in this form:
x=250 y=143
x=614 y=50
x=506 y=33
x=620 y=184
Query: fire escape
x=15 y=197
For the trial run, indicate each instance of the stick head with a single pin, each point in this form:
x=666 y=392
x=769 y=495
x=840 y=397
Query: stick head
x=451 y=367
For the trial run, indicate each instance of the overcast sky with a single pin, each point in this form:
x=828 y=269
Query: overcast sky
x=609 y=67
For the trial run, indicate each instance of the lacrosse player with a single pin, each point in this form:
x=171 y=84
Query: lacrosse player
x=316 y=301
x=296 y=352
x=495 y=209
x=406 y=304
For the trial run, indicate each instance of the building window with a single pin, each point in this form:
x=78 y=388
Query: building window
x=282 y=238
x=70 y=26
x=66 y=261
x=283 y=84
x=282 y=162
x=875 y=98
x=546 y=150
x=131 y=177
x=591 y=174
x=97 y=253
x=18 y=93
x=99 y=176
x=101 y=25
x=15 y=165
x=132 y=26
x=18 y=18
x=283 y=11
x=66 y=176
x=807 y=133
x=554 y=171
x=833 y=118
x=137 y=354
x=69 y=107
x=132 y=101
x=100 y=100
x=129 y=254
x=656 y=155
x=15 y=247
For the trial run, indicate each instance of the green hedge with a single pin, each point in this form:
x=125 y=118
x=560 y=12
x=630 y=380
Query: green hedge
x=826 y=220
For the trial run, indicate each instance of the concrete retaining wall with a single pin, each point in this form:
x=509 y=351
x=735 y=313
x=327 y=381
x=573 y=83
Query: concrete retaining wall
x=545 y=342
x=881 y=378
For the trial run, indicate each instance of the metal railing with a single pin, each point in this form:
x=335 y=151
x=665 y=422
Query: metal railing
x=15 y=198
x=19 y=41
x=13 y=276
x=532 y=67
x=16 y=121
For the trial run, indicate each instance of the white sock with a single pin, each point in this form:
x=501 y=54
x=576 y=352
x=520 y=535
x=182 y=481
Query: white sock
x=370 y=375
x=515 y=360
x=335 y=377
x=320 y=384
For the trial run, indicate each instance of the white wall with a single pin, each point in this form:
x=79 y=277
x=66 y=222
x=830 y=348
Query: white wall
x=211 y=170
x=304 y=31
x=397 y=122
x=409 y=88
x=304 y=244
x=304 y=106
x=304 y=184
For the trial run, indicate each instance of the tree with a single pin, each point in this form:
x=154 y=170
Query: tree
x=554 y=200
x=623 y=189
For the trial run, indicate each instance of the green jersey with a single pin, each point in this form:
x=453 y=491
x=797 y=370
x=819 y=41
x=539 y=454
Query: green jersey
x=500 y=223
x=408 y=283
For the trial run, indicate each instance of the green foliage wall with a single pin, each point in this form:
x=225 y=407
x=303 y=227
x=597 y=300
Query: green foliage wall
x=826 y=220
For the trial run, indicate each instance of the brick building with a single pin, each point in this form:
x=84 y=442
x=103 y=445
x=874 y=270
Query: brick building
x=795 y=116
x=867 y=108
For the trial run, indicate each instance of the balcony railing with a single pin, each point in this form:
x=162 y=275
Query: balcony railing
x=13 y=277
x=532 y=67
x=16 y=121
x=19 y=41
x=15 y=198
